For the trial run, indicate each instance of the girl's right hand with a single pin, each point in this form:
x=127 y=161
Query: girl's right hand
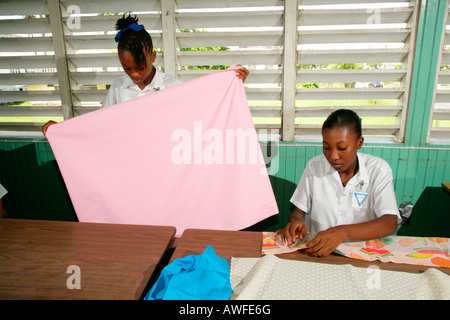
x=292 y=231
x=45 y=126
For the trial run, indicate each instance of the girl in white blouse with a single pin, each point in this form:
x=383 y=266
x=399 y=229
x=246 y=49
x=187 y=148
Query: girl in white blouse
x=343 y=194
x=136 y=55
x=3 y=191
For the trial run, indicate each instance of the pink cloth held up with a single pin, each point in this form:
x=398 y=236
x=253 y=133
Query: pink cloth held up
x=186 y=156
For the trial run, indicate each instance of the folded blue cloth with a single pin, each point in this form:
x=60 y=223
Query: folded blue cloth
x=194 y=277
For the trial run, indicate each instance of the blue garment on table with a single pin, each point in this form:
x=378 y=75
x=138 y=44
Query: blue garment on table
x=194 y=277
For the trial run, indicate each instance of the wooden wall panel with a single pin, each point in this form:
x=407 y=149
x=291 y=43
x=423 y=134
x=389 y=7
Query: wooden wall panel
x=29 y=172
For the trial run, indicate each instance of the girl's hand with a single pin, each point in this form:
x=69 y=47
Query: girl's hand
x=292 y=231
x=325 y=242
x=45 y=126
x=242 y=73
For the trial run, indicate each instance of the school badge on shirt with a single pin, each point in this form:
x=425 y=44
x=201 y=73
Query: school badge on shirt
x=359 y=200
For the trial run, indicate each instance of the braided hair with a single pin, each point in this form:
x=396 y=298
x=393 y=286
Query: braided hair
x=139 y=43
x=344 y=118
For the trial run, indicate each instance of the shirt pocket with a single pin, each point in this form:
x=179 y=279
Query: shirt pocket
x=360 y=200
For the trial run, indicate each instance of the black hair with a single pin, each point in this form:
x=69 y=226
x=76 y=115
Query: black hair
x=137 y=42
x=344 y=118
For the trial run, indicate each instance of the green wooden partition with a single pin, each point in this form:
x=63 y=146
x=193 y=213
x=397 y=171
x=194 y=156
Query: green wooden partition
x=36 y=189
x=430 y=215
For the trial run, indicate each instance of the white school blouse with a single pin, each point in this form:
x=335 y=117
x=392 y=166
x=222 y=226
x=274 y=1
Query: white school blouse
x=3 y=191
x=124 y=89
x=327 y=203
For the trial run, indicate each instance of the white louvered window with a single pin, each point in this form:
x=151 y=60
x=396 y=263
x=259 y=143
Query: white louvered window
x=29 y=91
x=306 y=58
x=249 y=33
x=439 y=128
x=356 y=55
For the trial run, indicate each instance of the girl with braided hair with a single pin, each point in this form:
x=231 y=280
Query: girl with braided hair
x=136 y=55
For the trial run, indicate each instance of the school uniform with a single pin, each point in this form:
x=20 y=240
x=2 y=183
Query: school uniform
x=3 y=191
x=369 y=194
x=124 y=89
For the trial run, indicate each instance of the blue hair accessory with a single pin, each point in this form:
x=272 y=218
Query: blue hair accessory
x=132 y=26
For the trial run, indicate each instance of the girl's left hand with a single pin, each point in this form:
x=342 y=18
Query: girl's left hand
x=242 y=73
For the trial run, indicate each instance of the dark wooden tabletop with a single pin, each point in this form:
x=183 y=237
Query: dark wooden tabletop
x=114 y=261
x=226 y=244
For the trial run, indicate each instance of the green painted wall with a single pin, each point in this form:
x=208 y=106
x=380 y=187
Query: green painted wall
x=413 y=170
x=36 y=188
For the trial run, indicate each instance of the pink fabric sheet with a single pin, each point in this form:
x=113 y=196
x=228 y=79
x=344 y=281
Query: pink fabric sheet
x=186 y=156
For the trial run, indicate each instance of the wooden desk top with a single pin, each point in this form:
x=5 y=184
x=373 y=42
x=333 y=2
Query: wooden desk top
x=446 y=186
x=226 y=244
x=229 y=244
x=115 y=261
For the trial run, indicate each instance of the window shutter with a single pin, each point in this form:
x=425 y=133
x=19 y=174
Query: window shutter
x=439 y=128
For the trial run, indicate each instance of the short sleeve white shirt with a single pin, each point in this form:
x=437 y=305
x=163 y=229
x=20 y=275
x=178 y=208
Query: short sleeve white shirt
x=3 y=191
x=124 y=89
x=327 y=203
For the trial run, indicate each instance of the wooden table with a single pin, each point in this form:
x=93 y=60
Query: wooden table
x=226 y=244
x=446 y=186
x=229 y=244
x=115 y=261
